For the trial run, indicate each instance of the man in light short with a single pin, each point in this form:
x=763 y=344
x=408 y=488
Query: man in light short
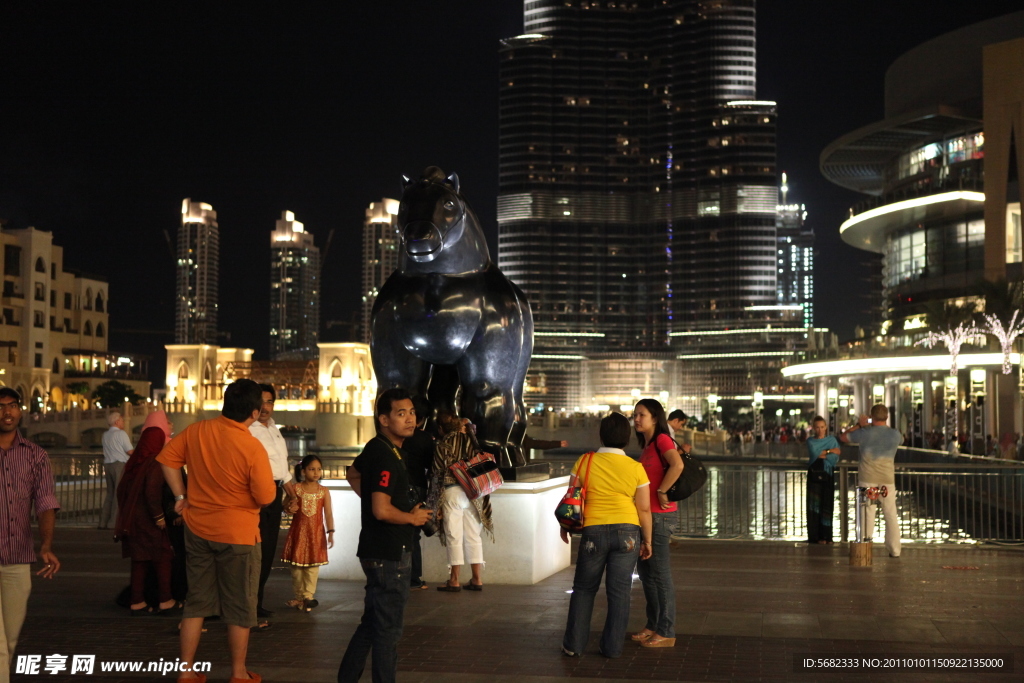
x=876 y=467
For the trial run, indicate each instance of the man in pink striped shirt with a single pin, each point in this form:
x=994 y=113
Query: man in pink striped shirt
x=25 y=479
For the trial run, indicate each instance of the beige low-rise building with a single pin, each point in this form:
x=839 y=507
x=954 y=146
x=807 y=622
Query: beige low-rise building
x=54 y=327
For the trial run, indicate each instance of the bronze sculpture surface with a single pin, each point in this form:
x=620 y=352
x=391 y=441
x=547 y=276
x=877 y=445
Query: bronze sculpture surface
x=448 y=324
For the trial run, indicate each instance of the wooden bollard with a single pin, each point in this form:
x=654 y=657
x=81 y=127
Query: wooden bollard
x=860 y=554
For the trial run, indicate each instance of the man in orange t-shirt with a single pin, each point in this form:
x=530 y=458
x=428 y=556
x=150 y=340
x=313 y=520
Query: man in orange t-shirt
x=229 y=480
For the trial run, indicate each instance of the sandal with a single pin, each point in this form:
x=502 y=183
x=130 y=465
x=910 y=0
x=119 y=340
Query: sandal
x=658 y=641
x=296 y=603
x=449 y=588
x=261 y=625
x=253 y=678
x=474 y=586
x=643 y=635
x=308 y=605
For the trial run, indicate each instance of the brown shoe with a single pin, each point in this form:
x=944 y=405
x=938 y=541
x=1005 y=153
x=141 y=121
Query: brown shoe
x=642 y=636
x=658 y=641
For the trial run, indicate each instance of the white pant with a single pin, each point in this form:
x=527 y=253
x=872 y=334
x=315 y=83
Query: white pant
x=462 y=528
x=892 y=519
x=15 y=586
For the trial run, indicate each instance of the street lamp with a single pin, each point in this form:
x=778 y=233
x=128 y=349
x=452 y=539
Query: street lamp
x=978 y=382
x=758 y=413
x=712 y=409
x=950 y=393
x=833 y=409
x=917 y=414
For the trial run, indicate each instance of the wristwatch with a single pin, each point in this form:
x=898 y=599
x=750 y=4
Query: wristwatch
x=181 y=497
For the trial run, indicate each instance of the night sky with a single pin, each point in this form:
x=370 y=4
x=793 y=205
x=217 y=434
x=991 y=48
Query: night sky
x=111 y=114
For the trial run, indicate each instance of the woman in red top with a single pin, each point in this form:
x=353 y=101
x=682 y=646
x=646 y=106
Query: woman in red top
x=660 y=459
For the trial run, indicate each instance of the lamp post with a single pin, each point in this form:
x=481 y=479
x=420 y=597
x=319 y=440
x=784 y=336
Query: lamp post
x=978 y=411
x=759 y=415
x=950 y=391
x=833 y=409
x=917 y=415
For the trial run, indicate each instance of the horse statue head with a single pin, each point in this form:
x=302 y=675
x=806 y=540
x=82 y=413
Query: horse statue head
x=440 y=232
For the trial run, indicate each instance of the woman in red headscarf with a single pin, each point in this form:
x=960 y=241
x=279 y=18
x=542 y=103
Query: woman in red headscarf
x=141 y=527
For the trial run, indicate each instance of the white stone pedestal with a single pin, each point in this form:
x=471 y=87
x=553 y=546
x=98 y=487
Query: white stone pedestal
x=526 y=547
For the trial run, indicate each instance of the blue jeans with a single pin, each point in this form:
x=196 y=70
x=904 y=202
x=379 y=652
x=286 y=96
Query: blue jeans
x=387 y=591
x=615 y=547
x=656 y=574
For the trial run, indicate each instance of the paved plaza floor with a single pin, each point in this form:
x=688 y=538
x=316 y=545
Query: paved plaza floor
x=746 y=612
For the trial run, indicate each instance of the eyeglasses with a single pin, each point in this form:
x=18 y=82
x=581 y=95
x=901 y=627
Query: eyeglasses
x=268 y=403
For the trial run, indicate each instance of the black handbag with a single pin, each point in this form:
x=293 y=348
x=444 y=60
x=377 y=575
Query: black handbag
x=690 y=481
x=816 y=473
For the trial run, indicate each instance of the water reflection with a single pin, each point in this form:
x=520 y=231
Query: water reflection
x=762 y=502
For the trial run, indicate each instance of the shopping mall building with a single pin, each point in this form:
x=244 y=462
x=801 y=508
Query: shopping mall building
x=942 y=177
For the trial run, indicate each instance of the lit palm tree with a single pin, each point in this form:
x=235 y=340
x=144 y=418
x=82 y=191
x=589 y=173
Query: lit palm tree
x=1006 y=335
x=953 y=338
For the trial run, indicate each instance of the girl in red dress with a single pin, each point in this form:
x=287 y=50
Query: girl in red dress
x=307 y=543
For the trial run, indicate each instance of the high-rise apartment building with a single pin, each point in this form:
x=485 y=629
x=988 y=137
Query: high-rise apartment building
x=795 y=241
x=197 y=274
x=380 y=253
x=294 y=288
x=637 y=191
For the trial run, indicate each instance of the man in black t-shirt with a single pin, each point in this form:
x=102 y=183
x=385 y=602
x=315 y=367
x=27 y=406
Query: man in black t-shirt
x=419 y=449
x=380 y=478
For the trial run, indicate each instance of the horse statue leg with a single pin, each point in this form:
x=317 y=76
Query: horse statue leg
x=442 y=390
x=394 y=366
x=489 y=400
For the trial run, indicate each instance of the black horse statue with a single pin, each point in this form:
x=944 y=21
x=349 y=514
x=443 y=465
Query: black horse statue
x=448 y=324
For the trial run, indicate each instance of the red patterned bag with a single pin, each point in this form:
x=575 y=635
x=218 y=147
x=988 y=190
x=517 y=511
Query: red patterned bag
x=478 y=474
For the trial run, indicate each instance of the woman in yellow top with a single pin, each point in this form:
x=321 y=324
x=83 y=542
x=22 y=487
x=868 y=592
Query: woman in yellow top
x=616 y=531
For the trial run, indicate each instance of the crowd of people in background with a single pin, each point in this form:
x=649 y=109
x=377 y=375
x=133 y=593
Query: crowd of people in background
x=214 y=534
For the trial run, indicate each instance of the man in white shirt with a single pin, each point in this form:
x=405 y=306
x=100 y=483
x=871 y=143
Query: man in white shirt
x=269 y=435
x=117 y=448
x=676 y=422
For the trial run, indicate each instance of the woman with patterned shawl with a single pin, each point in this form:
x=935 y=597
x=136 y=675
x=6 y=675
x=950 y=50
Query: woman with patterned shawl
x=460 y=519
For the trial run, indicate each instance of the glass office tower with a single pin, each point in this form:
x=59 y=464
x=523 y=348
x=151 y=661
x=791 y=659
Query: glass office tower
x=637 y=192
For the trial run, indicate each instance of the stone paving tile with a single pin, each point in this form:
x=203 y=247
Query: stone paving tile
x=514 y=632
x=732 y=624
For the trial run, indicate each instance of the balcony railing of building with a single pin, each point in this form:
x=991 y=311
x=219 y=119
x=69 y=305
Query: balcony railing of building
x=180 y=406
x=934 y=185
x=130 y=411
x=106 y=374
x=336 y=406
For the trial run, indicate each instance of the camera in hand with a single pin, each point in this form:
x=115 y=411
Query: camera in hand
x=418 y=496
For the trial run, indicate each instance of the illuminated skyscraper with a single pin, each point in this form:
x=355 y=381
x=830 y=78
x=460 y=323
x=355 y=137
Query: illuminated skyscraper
x=294 y=288
x=197 y=275
x=795 y=241
x=380 y=253
x=637 y=189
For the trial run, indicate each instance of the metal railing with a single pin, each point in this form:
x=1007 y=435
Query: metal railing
x=80 y=487
x=936 y=503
